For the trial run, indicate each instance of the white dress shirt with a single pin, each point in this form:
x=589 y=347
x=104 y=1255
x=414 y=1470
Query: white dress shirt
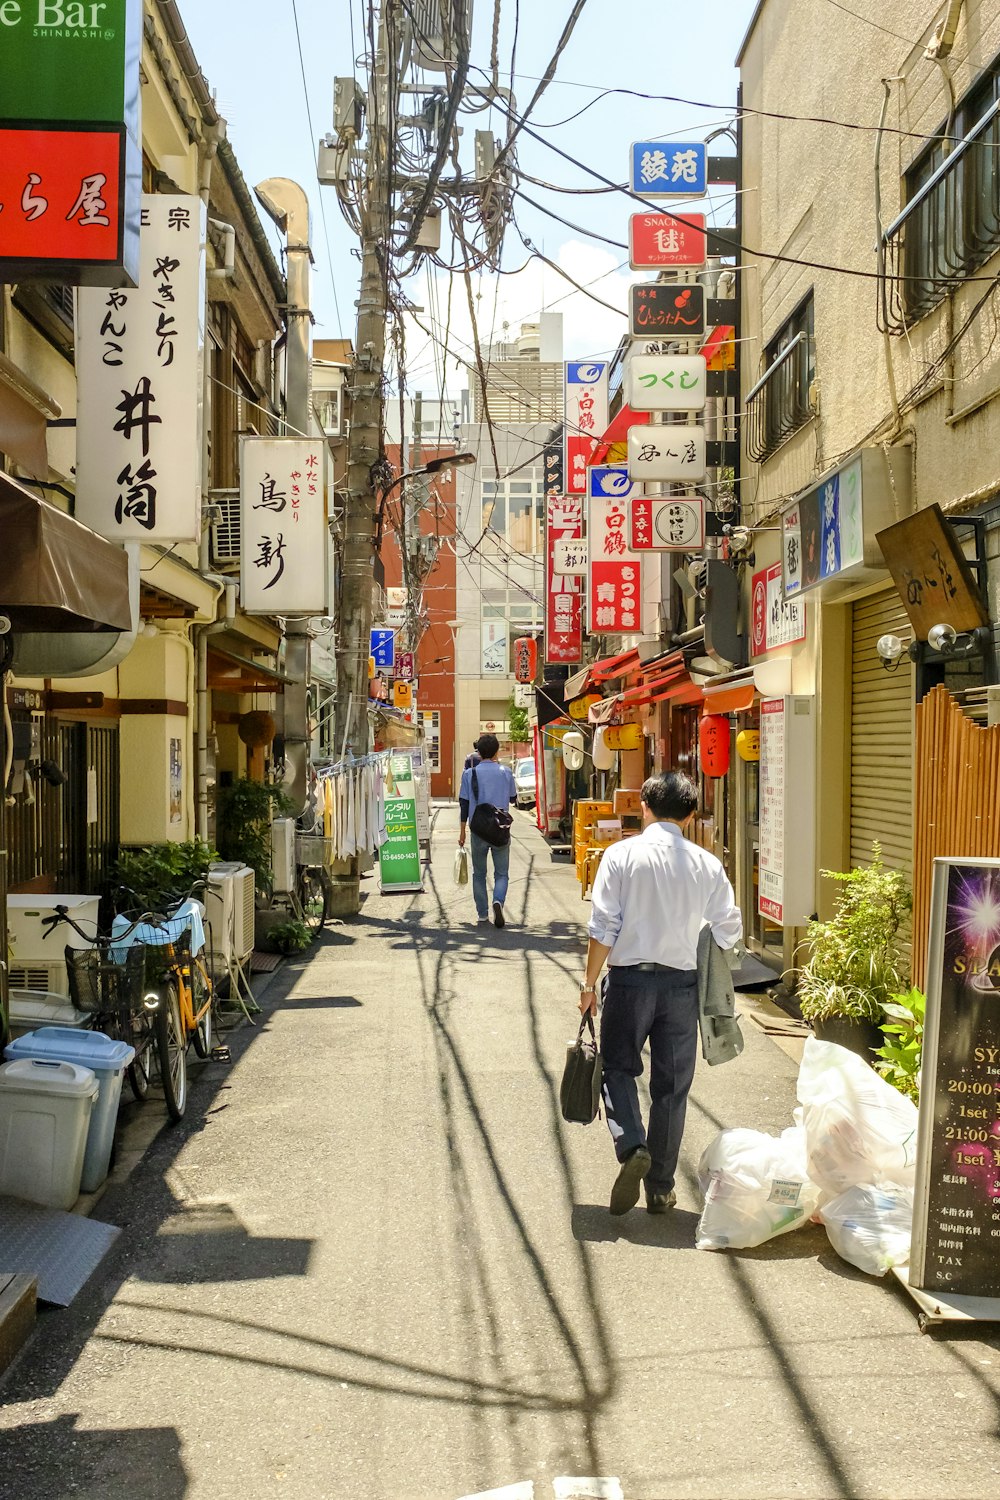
x=654 y=893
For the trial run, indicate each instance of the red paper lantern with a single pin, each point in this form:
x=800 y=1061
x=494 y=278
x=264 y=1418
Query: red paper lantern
x=713 y=743
x=525 y=659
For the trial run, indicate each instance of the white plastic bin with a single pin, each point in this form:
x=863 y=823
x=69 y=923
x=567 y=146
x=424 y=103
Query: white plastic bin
x=30 y=1009
x=44 y=1118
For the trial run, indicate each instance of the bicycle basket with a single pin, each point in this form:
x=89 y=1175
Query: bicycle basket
x=100 y=986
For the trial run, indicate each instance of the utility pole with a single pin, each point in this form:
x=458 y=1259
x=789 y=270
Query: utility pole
x=364 y=448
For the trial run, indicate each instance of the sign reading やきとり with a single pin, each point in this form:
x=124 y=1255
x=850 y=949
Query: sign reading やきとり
x=138 y=356
x=283 y=547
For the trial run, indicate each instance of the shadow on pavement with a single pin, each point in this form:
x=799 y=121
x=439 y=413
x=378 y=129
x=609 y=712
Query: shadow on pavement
x=671 y=1231
x=121 y=1461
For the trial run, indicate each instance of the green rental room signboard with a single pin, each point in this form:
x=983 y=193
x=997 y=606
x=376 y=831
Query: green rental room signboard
x=399 y=856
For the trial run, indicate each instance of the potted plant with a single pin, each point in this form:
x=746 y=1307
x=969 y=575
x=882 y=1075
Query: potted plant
x=244 y=814
x=855 y=964
x=288 y=937
x=900 y=1057
x=161 y=873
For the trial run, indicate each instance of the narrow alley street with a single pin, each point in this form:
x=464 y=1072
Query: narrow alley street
x=374 y=1264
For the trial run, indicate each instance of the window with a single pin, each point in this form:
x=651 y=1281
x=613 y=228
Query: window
x=781 y=401
x=951 y=223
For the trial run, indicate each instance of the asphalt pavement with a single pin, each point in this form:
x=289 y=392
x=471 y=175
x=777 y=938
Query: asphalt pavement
x=374 y=1264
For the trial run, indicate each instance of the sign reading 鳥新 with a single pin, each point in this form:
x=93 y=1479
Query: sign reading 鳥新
x=774 y=620
x=139 y=360
x=70 y=155
x=586 y=419
x=956 y=1210
x=614 y=595
x=669 y=169
x=673 y=241
x=283 y=535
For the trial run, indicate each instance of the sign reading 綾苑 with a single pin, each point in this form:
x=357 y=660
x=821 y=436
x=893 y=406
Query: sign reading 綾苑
x=956 y=1210
x=399 y=857
x=139 y=360
x=669 y=169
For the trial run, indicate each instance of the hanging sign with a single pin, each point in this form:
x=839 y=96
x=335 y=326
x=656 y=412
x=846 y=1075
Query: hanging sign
x=525 y=659
x=139 y=361
x=402 y=694
x=669 y=169
x=399 y=857
x=667 y=525
x=666 y=310
x=956 y=1211
x=713 y=744
x=383 y=647
x=563 y=591
x=283 y=547
x=666 y=382
x=673 y=240
x=674 y=453
x=404 y=666
x=395 y=613
x=586 y=387
x=614 y=595
x=494 y=655
x=774 y=620
x=571 y=557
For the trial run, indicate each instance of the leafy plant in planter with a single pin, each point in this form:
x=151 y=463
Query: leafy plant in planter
x=900 y=1057
x=854 y=964
x=243 y=824
x=161 y=873
x=289 y=937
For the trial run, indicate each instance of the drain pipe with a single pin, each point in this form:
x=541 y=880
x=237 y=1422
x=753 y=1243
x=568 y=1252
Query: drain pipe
x=288 y=206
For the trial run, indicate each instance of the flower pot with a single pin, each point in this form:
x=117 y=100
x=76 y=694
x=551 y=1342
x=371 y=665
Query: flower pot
x=856 y=1033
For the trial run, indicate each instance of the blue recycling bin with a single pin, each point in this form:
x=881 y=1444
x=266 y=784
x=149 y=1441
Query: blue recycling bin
x=108 y=1060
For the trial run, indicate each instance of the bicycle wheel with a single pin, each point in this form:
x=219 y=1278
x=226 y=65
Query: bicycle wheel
x=171 y=1047
x=314 y=897
x=139 y=1071
x=202 y=992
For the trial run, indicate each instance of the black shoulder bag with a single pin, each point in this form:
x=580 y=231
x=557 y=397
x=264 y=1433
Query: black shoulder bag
x=493 y=824
x=580 y=1090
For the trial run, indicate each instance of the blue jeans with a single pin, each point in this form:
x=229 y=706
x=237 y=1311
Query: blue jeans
x=660 y=1007
x=501 y=865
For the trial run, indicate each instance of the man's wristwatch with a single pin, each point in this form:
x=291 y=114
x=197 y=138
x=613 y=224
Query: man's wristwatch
x=588 y=989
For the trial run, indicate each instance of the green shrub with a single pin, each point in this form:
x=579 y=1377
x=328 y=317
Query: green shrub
x=243 y=817
x=899 y=1060
x=288 y=937
x=161 y=873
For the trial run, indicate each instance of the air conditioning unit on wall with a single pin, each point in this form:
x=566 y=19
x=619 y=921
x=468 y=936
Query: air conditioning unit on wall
x=229 y=912
x=283 y=855
x=226 y=535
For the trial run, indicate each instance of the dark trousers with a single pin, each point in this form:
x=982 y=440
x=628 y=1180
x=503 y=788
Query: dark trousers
x=660 y=1007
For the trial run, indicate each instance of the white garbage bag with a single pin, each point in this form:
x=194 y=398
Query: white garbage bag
x=755 y=1186
x=859 y=1129
x=870 y=1226
x=461 y=866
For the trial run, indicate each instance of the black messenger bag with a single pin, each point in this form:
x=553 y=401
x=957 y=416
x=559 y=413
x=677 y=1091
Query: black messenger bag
x=492 y=824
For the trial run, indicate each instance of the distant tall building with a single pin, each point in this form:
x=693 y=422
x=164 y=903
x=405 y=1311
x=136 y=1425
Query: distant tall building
x=524 y=377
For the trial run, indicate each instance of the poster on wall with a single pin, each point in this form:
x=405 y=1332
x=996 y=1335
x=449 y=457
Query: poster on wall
x=139 y=385
x=176 y=782
x=771 y=865
x=283 y=551
x=956 y=1215
x=787 y=791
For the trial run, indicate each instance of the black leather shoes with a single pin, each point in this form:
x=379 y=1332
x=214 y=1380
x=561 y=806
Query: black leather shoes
x=660 y=1203
x=628 y=1183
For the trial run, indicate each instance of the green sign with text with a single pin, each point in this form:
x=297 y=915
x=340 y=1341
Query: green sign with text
x=399 y=856
x=63 y=60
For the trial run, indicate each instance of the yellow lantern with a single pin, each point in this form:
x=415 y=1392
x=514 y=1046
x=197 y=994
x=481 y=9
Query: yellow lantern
x=371 y=669
x=580 y=707
x=748 y=744
x=624 y=737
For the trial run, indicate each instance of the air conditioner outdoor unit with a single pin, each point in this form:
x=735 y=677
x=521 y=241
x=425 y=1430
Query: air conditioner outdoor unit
x=283 y=855
x=36 y=960
x=226 y=530
x=229 y=911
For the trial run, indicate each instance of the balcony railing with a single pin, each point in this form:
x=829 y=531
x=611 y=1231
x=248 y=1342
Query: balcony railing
x=949 y=228
x=780 y=403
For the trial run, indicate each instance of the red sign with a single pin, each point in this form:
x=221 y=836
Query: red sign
x=617 y=603
x=713 y=744
x=663 y=240
x=563 y=595
x=525 y=659
x=774 y=620
x=61 y=197
x=404 y=666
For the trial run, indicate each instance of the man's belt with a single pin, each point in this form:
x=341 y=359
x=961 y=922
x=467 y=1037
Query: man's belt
x=651 y=969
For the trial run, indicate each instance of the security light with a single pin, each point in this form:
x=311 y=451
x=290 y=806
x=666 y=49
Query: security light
x=942 y=638
x=890 y=648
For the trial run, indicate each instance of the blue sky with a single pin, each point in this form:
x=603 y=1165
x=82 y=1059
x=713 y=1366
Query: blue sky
x=646 y=45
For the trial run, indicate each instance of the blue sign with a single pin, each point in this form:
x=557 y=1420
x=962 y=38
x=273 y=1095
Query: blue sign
x=586 y=372
x=669 y=169
x=383 y=643
x=610 y=481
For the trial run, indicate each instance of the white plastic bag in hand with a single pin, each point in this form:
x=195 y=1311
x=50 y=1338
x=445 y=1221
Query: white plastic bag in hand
x=756 y=1187
x=461 y=866
x=870 y=1226
x=859 y=1129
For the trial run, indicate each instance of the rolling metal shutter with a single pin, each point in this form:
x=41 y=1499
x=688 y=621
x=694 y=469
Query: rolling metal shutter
x=881 y=736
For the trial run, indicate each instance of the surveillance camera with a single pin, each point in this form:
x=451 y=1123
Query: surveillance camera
x=942 y=638
x=740 y=538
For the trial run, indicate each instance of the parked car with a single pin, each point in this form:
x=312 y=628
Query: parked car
x=524 y=780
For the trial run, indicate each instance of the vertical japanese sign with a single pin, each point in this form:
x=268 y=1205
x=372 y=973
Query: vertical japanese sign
x=139 y=380
x=563 y=593
x=956 y=1212
x=283 y=548
x=586 y=419
x=787 y=864
x=382 y=646
x=399 y=857
x=70 y=143
x=775 y=621
x=614 y=597
x=771 y=869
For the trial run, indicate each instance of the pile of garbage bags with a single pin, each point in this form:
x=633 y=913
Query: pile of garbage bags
x=848 y=1162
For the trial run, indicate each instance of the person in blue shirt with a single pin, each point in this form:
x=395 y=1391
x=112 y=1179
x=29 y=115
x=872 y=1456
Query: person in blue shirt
x=496 y=786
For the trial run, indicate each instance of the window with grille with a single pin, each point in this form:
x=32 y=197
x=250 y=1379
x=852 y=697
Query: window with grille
x=781 y=402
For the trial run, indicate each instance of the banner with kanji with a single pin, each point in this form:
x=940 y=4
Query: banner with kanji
x=614 y=597
x=586 y=418
x=563 y=591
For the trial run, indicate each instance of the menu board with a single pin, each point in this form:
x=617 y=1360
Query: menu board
x=956 y=1220
x=771 y=864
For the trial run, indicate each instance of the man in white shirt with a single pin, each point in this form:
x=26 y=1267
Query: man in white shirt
x=651 y=898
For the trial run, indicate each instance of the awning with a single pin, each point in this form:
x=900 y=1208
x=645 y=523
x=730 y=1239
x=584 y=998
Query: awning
x=730 y=697
x=615 y=666
x=241 y=674
x=24 y=407
x=55 y=574
x=617 y=432
x=672 y=682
